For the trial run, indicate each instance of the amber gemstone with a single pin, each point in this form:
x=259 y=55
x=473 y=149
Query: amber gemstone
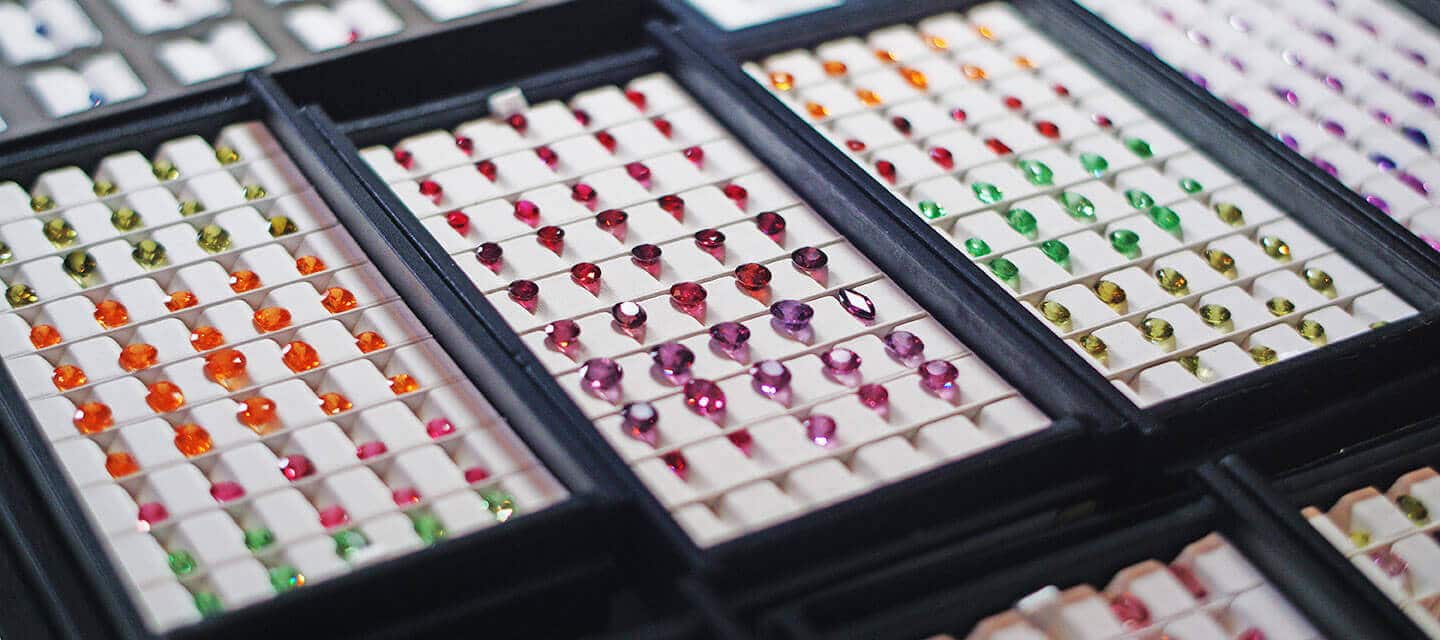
x=192 y=440
x=752 y=276
x=181 y=300
x=271 y=319
x=68 y=376
x=93 y=417
x=44 y=335
x=242 y=281
x=257 y=413
x=333 y=403
x=120 y=464
x=338 y=300
x=300 y=356
x=111 y=314
x=225 y=365
x=138 y=356
x=164 y=396
x=206 y=338
x=403 y=383
x=307 y=265
x=369 y=341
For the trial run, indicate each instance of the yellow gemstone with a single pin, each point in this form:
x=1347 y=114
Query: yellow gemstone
x=213 y=238
x=938 y=43
x=103 y=188
x=59 y=232
x=190 y=207
x=149 y=253
x=1216 y=316
x=1320 y=281
x=1312 y=331
x=226 y=155
x=1360 y=538
x=1279 y=306
x=1377 y=324
x=1230 y=214
x=281 y=225
x=1096 y=347
x=1157 y=331
x=126 y=219
x=816 y=110
x=1221 y=262
x=1110 y=293
x=164 y=170
x=19 y=295
x=782 y=81
x=79 y=265
x=1275 y=248
x=254 y=192
x=1056 y=313
x=1172 y=281
x=41 y=203
x=915 y=77
x=6 y=255
x=1192 y=364
x=1263 y=355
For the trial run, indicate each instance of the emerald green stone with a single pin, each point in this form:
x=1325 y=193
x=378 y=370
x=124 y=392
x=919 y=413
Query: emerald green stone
x=348 y=543
x=1139 y=199
x=1139 y=147
x=977 y=247
x=1057 y=252
x=1125 y=242
x=1004 y=269
x=1094 y=164
x=501 y=504
x=181 y=562
x=1037 y=172
x=1165 y=218
x=931 y=209
x=1191 y=185
x=258 y=539
x=987 y=193
x=285 y=577
x=1079 y=206
x=1022 y=221
x=428 y=527
x=208 y=604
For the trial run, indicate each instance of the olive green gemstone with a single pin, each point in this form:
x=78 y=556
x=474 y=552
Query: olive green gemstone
x=254 y=192
x=1022 y=221
x=79 y=265
x=987 y=193
x=1165 y=218
x=1056 y=313
x=1094 y=346
x=1139 y=199
x=1275 y=248
x=1320 y=281
x=1360 y=538
x=164 y=170
x=149 y=253
x=1037 y=172
x=1172 y=281
x=1280 y=306
x=191 y=207
x=19 y=295
x=208 y=604
x=348 y=543
x=1157 y=330
x=103 y=188
x=1413 y=508
x=1079 y=206
x=226 y=155
x=1094 y=164
x=1004 y=269
x=1312 y=331
x=1125 y=242
x=1263 y=355
x=126 y=219
x=1230 y=214
x=928 y=208
x=1191 y=363
x=1110 y=293
x=283 y=225
x=6 y=255
x=1215 y=315
x=41 y=203
x=1221 y=262
x=285 y=577
x=501 y=504
x=59 y=232
x=258 y=538
x=213 y=238
x=181 y=562
x=977 y=247
x=1377 y=324
x=428 y=527
x=1057 y=252
x=1191 y=185
x=1139 y=147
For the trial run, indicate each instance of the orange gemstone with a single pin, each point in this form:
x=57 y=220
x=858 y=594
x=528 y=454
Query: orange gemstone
x=985 y=32
x=885 y=56
x=938 y=43
x=165 y=396
x=973 y=72
x=870 y=98
x=333 y=403
x=181 y=300
x=206 y=338
x=138 y=356
x=111 y=314
x=915 y=77
x=257 y=413
x=1024 y=62
x=834 y=67
x=192 y=440
x=93 y=417
x=309 y=264
x=402 y=383
x=369 y=341
x=816 y=110
x=120 y=464
x=68 y=376
x=782 y=81
x=300 y=356
x=225 y=365
x=44 y=335
x=338 y=299
x=271 y=319
x=242 y=281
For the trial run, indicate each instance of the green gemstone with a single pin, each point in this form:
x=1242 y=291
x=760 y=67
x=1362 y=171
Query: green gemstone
x=41 y=203
x=1263 y=355
x=285 y=577
x=164 y=170
x=126 y=219
x=1377 y=324
x=254 y=192
x=1280 y=306
x=282 y=225
x=6 y=255
x=226 y=155
x=1094 y=346
x=501 y=504
x=1165 y=218
x=213 y=238
x=208 y=604
x=1126 y=243
x=19 y=295
x=1094 y=164
x=1275 y=248
x=1056 y=313
x=1191 y=185
x=1191 y=363
x=149 y=253
x=1139 y=147
x=258 y=538
x=103 y=188
x=1037 y=172
x=1215 y=315
x=977 y=247
x=1139 y=199
x=1413 y=508
x=1022 y=221
x=428 y=527
x=1172 y=281
x=931 y=210
x=181 y=562
x=1230 y=214
x=59 y=232
x=190 y=207
x=1157 y=330
x=1312 y=331
x=1079 y=206
x=348 y=543
x=79 y=265
x=1110 y=293
x=1057 y=252
x=1221 y=262
x=1004 y=269
x=1360 y=538
x=987 y=193
x=1320 y=281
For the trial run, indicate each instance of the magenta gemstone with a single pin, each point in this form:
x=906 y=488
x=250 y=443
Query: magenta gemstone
x=152 y=513
x=439 y=428
x=333 y=516
x=938 y=375
x=809 y=258
x=820 y=429
x=704 y=397
x=1388 y=562
x=793 y=315
x=873 y=396
x=856 y=304
x=695 y=155
x=730 y=336
x=673 y=358
x=296 y=467
x=527 y=212
x=639 y=419
x=562 y=333
x=638 y=172
x=405 y=496
x=226 y=491
x=583 y=193
x=770 y=377
x=1251 y=634
x=1378 y=201
x=628 y=315
x=476 y=474
x=840 y=361
x=370 y=449
x=903 y=345
x=600 y=374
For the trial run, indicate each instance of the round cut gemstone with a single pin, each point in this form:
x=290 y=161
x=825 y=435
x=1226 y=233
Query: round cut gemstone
x=628 y=315
x=752 y=276
x=562 y=334
x=887 y=170
x=44 y=335
x=902 y=125
x=640 y=420
x=1094 y=346
x=93 y=417
x=164 y=396
x=1413 y=508
x=476 y=474
x=600 y=374
x=704 y=397
x=710 y=239
x=809 y=258
x=639 y=173
x=736 y=193
x=673 y=359
x=1157 y=330
x=1263 y=355
x=673 y=204
x=931 y=209
x=1077 y=205
x=856 y=304
x=840 y=361
x=1048 y=129
x=333 y=516
x=258 y=538
x=770 y=223
x=742 y=441
x=1172 y=281
x=998 y=147
x=584 y=194
x=272 y=319
x=587 y=275
x=489 y=254
x=1056 y=313
x=295 y=467
x=730 y=337
x=1221 y=262
x=903 y=345
x=687 y=295
x=523 y=291
x=820 y=429
x=458 y=221
x=120 y=464
x=677 y=464
x=111 y=314
x=258 y=413
x=977 y=247
x=1275 y=248
x=873 y=396
x=663 y=126
x=938 y=375
x=224 y=365
x=1057 y=251
x=695 y=155
x=405 y=496
x=1139 y=199
x=244 y=280
x=770 y=378
x=1230 y=214
x=552 y=238
x=1215 y=315
x=793 y=315
x=1279 y=306
x=368 y=341
x=1110 y=293
x=299 y=356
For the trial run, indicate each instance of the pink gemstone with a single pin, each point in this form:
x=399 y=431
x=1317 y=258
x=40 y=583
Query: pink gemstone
x=476 y=474
x=488 y=169
x=820 y=429
x=600 y=374
x=730 y=337
x=628 y=315
x=405 y=496
x=527 y=212
x=840 y=361
x=873 y=396
x=584 y=194
x=333 y=516
x=770 y=378
x=489 y=254
x=581 y=116
x=432 y=190
x=677 y=463
x=296 y=467
x=1393 y=565
x=770 y=223
x=695 y=155
x=465 y=144
x=792 y=315
x=152 y=513
x=226 y=491
x=673 y=205
x=809 y=258
x=439 y=428
x=1251 y=634
x=704 y=397
x=639 y=420
x=547 y=155
x=856 y=304
x=1187 y=578
x=904 y=346
x=742 y=441
x=562 y=334
x=938 y=375
x=606 y=140
x=639 y=173
x=663 y=126
x=673 y=359
x=736 y=194
x=1130 y=610
x=370 y=450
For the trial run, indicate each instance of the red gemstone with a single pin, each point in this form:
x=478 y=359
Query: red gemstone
x=704 y=397
x=226 y=491
x=770 y=223
x=674 y=205
x=902 y=125
x=404 y=158
x=873 y=396
x=523 y=291
x=333 y=516
x=518 y=122
x=855 y=145
x=710 y=239
x=465 y=144
x=581 y=116
x=1102 y=120
x=736 y=194
x=606 y=140
x=587 y=275
x=562 y=334
x=742 y=441
x=612 y=220
x=1061 y=90
x=152 y=513
x=405 y=497
x=636 y=98
x=676 y=461
x=547 y=155
x=752 y=276
x=458 y=221
x=886 y=169
x=296 y=467
x=1187 y=578
x=489 y=254
x=943 y=157
x=687 y=295
x=431 y=189
x=552 y=238
x=628 y=315
x=1012 y=102
x=1000 y=148
x=1130 y=610
x=663 y=126
x=958 y=115
x=370 y=450
x=1048 y=129
x=476 y=474
x=527 y=212
x=439 y=428
x=695 y=155
x=1251 y=634
x=487 y=169
x=584 y=194
x=639 y=173
x=645 y=254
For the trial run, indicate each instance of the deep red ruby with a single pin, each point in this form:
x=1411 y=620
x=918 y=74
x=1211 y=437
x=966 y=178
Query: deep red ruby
x=1061 y=90
x=611 y=219
x=628 y=315
x=431 y=189
x=770 y=223
x=676 y=461
x=639 y=173
x=709 y=239
x=606 y=140
x=645 y=254
x=902 y=125
x=587 y=275
x=674 y=205
x=561 y=334
x=404 y=158
x=1000 y=148
x=518 y=122
x=333 y=516
x=636 y=98
x=752 y=276
x=736 y=194
x=687 y=295
x=465 y=144
x=1048 y=129
x=547 y=155
x=489 y=254
x=943 y=157
x=523 y=291
x=582 y=116
x=742 y=441
x=1012 y=102
x=886 y=169
x=855 y=145
x=551 y=237
x=296 y=467
x=458 y=221
x=487 y=169
x=476 y=474
x=663 y=126
x=695 y=155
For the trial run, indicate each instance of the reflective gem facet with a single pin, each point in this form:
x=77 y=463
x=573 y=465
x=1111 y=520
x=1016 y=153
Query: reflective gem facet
x=1078 y=206
x=704 y=397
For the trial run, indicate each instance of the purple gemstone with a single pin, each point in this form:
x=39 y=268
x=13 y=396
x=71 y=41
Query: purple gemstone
x=856 y=304
x=639 y=420
x=1286 y=95
x=600 y=374
x=1414 y=183
x=1198 y=79
x=628 y=315
x=1325 y=36
x=903 y=345
x=1239 y=24
x=1236 y=63
x=820 y=429
x=1388 y=562
x=1198 y=38
x=1422 y=98
x=1326 y=166
x=673 y=358
x=809 y=258
x=1381 y=74
x=1383 y=116
x=1333 y=128
x=793 y=315
x=1417 y=136
x=1289 y=141
x=770 y=378
x=873 y=396
x=1418 y=57
x=1378 y=201
x=840 y=361
x=1382 y=161
x=1238 y=107
x=938 y=375
x=730 y=336
x=704 y=397
x=1368 y=26
x=1334 y=83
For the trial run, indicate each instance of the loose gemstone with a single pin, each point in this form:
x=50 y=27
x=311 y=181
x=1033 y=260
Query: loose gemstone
x=1389 y=563
x=244 y=280
x=1077 y=205
x=1360 y=538
x=254 y=192
x=403 y=383
x=111 y=314
x=752 y=276
x=1165 y=218
x=1275 y=248
x=938 y=375
x=126 y=219
x=44 y=335
x=710 y=240
x=333 y=516
x=225 y=365
x=770 y=378
x=695 y=155
x=370 y=449
x=931 y=210
x=873 y=396
x=915 y=77
x=736 y=193
x=206 y=338
x=856 y=304
x=704 y=397
x=1279 y=306
x=465 y=144
x=770 y=223
x=1022 y=221
x=742 y=441
x=1320 y=281
x=1094 y=164
x=1110 y=293
x=584 y=194
x=587 y=275
x=523 y=291
x=600 y=375
x=1230 y=214
x=458 y=221
x=164 y=396
x=1037 y=173
x=662 y=125
x=152 y=513
x=1094 y=346
x=1413 y=508
x=792 y=315
x=1126 y=243
x=500 y=504
x=1157 y=330
x=190 y=207
x=628 y=315
x=135 y=357
x=612 y=221
x=79 y=265
x=639 y=420
x=1139 y=147
x=840 y=361
x=284 y=578
x=489 y=254
x=300 y=356
x=1221 y=262
x=673 y=204
x=148 y=253
x=1056 y=313
x=439 y=428
x=816 y=110
x=281 y=226
x=942 y=156
x=552 y=238
x=1057 y=251
x=1191 y=186
x=226 y=491
x=258 y=539
x=687 y=296
x=19 y=295
x=432 y=190
x=1139 y=199
x=730 y=337
x=1130 y=611
x=1005 y=270
x=977 y=247
x=607 y=140
x=271 y=319
x=1311 y=330
x=59 y=232
x=518 y=122
x=677 y=464
x=295 y=467
x=903 y=346
x=1012 y=102
x=987 y=193
x=120 y=464
x=809 y=258
x=181 y=562
x=886 y=169
x=1048 y=129
x=958 y=115
x=1378 y=202
x=997 y=147
x=68 y=376
x=820 y=429
x=547 y=156
x=562 y=334
x=902 y=125
x=192 y=440
x=1215 y=315
x=103 y=188
x=476 y=474
x=256 y=412
x=639 y=173
x=309 y=265
x=673 y=359
x=1172 y=281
